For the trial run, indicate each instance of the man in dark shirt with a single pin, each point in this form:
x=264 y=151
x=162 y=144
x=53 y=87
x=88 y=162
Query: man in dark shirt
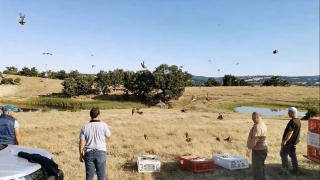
x=290 y=138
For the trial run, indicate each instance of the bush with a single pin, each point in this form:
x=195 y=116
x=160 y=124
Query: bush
x=17 y=80
x=312 y=105
x=7 y=81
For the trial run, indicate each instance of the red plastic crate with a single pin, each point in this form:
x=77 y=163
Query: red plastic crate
x=313 y=153
x=314 y=124
x=196 y=166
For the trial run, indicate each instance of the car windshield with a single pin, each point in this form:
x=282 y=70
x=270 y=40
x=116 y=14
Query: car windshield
x=3 y=146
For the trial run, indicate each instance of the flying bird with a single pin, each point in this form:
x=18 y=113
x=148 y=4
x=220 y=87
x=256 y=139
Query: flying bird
x=91 y=54
x=218 y=69
x=237 y=63
x=133 y=111
x=47 y=53
x=143 y=66
x=188 y=139
x=220 y=117
x=145 y=136
x=181 y=66
x=227 y=139
x=275 y=51
x=193 y=98
x=21 y=19
x=209 y=61
x=93 y=66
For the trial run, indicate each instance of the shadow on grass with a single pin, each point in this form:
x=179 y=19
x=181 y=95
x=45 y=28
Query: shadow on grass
x=173 y=171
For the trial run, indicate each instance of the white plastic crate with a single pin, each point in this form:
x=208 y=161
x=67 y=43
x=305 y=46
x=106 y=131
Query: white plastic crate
x=314 y=139
x=148 y=163
x=230 y=162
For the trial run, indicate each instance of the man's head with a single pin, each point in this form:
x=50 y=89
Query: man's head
x=256 y=117
x=94 y=113
x=9 y=109
x=292 y=112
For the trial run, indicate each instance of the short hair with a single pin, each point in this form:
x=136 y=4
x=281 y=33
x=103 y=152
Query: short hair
x=95 y=112
x=256 y=114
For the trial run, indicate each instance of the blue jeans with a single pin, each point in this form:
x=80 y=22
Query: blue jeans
x=291 y=151
x=95 y=160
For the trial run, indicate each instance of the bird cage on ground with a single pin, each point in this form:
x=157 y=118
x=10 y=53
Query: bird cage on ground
x=148 y=163
x=196 y=164
x=230 y=162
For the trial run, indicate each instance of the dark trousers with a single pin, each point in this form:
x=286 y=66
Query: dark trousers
x=291 y=151
x=95 y=160
x=258 y=167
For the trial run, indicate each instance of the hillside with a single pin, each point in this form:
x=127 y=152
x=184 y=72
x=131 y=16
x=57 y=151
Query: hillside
x=258 y=79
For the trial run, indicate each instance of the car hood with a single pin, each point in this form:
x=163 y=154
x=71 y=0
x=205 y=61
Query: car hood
x=12 y=166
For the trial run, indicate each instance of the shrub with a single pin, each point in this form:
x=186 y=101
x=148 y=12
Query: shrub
x=17 y=80
x=7 y=81
x=312 y=105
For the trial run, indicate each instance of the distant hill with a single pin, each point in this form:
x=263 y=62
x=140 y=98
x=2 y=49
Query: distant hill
x=258 y=79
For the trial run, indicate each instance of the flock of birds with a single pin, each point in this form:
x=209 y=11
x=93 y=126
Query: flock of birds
x=22 y=22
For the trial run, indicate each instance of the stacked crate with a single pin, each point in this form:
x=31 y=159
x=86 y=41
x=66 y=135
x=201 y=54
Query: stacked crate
x=313 y=147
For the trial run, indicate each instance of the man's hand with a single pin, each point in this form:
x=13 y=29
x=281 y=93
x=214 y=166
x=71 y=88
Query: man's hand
x=282 y=144
x=248 y=154
x=81 y=158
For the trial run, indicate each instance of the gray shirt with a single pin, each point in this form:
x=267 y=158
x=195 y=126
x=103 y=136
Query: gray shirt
x=95 y=133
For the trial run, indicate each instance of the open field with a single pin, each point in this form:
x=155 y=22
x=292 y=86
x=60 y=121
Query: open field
x=221 y=98
x=58 y=132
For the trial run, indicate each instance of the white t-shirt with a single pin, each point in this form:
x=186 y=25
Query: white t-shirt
x=16 y=125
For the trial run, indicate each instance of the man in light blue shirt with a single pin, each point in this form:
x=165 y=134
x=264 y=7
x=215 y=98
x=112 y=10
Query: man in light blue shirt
x=9 y=127
x=92 y=146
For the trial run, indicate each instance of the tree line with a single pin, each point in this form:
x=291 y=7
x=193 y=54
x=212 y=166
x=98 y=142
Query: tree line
x=164 y=83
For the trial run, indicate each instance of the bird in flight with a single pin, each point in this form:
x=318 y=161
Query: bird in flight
x=209 y=61
x=93 y=66
x=91 y=54
x=143 y=66
x=237 y=63
x=21 y=19
x=218 y=69
x=181 y=66
x=275 y=51
x=47 y=53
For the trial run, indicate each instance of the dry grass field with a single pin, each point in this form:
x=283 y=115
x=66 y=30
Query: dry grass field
x=57 y=132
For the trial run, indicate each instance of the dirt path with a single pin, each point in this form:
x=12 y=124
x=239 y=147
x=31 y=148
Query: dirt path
x=6 y=90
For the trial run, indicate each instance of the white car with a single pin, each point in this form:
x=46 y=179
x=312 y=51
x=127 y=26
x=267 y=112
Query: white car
x=13 y=167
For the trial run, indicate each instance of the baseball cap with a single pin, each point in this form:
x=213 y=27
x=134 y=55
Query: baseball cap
x=293 y=109
x=9 y=108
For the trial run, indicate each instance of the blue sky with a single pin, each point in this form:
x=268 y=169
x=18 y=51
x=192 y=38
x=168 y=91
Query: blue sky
x=123 y=33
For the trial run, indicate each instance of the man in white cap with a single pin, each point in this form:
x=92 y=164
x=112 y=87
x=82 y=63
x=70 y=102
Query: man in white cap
x=9 y=127
x=290 y=138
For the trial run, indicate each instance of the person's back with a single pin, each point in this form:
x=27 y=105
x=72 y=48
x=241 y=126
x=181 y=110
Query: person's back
x=92 y=146
x=9 y=127
x=95 y=133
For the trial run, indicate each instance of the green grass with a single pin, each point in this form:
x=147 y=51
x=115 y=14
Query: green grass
x=271 y=105
x=70 y=103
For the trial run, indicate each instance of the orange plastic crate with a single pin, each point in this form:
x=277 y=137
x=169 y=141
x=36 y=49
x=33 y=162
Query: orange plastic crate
x=313 y=153
x=196 y=166
x=314 y=124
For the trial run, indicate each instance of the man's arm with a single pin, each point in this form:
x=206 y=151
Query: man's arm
x=82 y=142
x=107 y=132
x=253 y=137
x=291 y=127
x=17 y=132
